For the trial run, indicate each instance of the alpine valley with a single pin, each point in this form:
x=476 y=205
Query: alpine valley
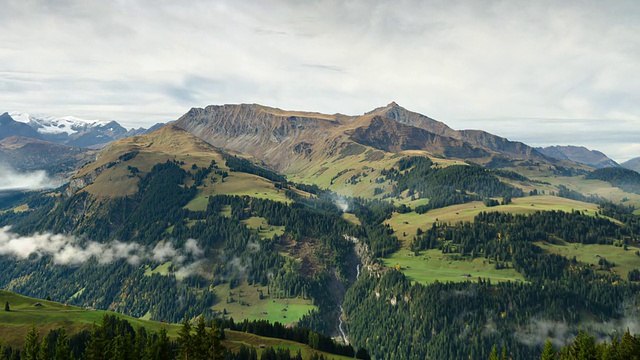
x=390 y=232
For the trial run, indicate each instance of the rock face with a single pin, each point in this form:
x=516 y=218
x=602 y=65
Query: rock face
x=389 y=135
x=269 y=134
x=579 y=154
x=283 y=138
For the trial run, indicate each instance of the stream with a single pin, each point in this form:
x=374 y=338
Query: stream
x=344 y=336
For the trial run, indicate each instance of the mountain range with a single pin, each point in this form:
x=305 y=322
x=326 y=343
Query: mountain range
x=68 y=130
x=388 y=230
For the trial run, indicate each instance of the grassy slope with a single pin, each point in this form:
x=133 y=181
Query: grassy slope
x=264 y=230
x=625 y=260
x=268 y=308
x=410 y=222
x=15 y=323
x=51 y=315
x=432 y=265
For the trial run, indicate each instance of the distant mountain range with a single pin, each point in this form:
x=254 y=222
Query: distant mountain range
x=579 y=154
x=67 y=130
x=287 y=140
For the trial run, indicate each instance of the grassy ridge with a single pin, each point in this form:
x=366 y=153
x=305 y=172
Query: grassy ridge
x=625 y=260
x=51 y=315
x=405 y=225
x=432 y=265
x=247 y=304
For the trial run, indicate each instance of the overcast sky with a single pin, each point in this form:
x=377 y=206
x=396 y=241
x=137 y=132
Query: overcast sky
x=542 y=72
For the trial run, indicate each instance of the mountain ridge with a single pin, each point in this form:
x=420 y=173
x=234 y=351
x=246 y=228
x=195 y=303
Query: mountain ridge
x=283 y=138
x=579 y=154
x=66 y=130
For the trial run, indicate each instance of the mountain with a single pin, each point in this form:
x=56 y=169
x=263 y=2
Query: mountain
x=70 y=130
x=633 y=164
x=388 y=229
x=579 y=154
x=474 y=138
x=286 y=139
x=10 y=127
x=29 y=154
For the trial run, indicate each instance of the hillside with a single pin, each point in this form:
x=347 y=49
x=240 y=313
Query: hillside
x=633 y=164
x=28 y=154
x=48 y=316
x=348 y=225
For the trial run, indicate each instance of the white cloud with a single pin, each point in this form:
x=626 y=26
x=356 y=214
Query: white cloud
x=69 y=250
x=146 y=61
x=10 y=179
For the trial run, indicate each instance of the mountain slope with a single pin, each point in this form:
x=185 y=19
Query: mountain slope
x=633 y=164
x=286 y=140
x=579 y=154
x=475 y=138
x=28 y=154
x=70 y=130
x=9 y=127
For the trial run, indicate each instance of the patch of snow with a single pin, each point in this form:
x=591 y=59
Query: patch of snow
x=46 y=124
x=19 y=117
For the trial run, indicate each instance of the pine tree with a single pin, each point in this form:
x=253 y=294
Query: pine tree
x=200 y=342
x=216 y=349
x=7 y=307
x=45 y=352
x=139 y=343
x=548 y=352
x=629 y=347
x=163 y=346
x=32 y=345
x=96 y=346
x=185 y=340
x=494 y=353
x=584 y=347
x=62 y=346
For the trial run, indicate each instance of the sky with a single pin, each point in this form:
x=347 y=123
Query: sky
x=541 y=72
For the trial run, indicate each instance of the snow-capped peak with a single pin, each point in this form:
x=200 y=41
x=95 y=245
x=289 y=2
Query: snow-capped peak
x=46 y=124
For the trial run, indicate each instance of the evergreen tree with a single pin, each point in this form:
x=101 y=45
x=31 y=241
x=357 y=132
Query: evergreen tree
x=216 y=349
x=45 y=352
x=584 y=347
x=163 y=347
x=629 y=347
x=200 y=341
x=139 y=343
x=548 y=352
x=62 y=346
x=7 y=307
x=32 y=345
x=494 y=353
x=185 y=340
x=96 y=346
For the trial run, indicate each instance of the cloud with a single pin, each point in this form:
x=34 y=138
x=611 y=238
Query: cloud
x=11 y=179
x=70 y=250
x=144 y=61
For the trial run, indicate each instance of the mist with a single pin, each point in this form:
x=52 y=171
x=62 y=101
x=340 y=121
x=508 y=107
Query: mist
x=70 y=250
x=11 y=179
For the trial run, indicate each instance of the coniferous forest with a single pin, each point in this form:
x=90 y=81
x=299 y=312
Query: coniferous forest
x=385 y=314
